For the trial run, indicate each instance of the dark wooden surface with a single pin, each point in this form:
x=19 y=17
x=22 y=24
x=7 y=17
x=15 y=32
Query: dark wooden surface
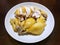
x=53 y=5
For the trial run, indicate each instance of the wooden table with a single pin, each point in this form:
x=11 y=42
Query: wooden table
x=53 y=5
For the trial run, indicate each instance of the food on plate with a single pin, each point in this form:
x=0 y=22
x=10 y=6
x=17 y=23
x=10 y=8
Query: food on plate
x=15 y=23
x=37 y=28
x=29 y=20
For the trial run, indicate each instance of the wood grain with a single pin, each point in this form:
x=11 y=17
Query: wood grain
x=53 y=5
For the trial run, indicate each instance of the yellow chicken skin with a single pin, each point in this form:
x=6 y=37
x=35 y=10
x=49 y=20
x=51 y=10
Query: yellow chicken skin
x=23 y=9
x=43 y=13
x=17 y=12
x=29 y=22
x=37 y=28
x=41 y=19
x=22 y=25
x=15 y=23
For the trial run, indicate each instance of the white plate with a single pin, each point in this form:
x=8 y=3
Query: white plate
x=29 y=38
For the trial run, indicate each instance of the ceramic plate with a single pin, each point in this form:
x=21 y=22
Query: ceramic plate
x=29 y=38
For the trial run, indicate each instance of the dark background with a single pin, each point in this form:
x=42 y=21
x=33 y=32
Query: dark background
x=53 y=5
